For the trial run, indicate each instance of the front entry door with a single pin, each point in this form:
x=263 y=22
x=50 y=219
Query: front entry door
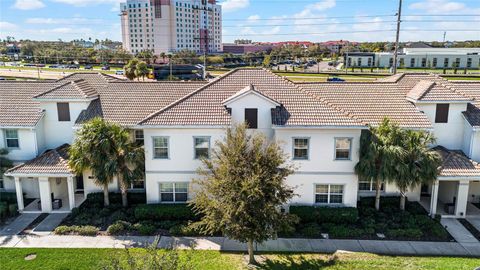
x=79 y=181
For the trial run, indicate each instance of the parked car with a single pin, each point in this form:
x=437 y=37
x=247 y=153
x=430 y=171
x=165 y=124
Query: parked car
x=29 y=65
x=2 y=79
x=88 y=67
x=106 y=68
x=119 y=72
x=40 y=65
x=335 y=79
x=53 y=66
x=73 y=67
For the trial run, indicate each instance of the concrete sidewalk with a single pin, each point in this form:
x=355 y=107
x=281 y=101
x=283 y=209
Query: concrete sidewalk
x=224 y=244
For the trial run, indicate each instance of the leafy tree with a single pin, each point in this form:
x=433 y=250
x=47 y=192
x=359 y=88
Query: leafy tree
x=105 y=149
x=141 y=70
x=242 y=188
x=380 y=155
x=267 y=61
x=420 y=164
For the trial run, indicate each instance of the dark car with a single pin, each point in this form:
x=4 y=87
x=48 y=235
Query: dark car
x=73 y=67
x=335 y=80
x=88 y=67
x=105 y=68
x=53 y=66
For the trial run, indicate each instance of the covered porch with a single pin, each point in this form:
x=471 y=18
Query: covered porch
x=49 y=181
x=456 y=192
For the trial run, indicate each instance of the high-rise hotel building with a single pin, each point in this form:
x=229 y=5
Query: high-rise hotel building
x=171 y=25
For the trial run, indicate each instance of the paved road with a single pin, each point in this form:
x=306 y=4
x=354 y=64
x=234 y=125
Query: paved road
x=225 y=244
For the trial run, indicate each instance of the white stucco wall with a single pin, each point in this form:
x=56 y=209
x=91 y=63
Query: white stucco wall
x=475 y=146
x=56 y=132
x=474 y=192
x=449 y=135
x=27 y=145
x=30 y=187
x=447 y=190
x=89 y=185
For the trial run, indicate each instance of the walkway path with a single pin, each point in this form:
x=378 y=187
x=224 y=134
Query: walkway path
x=225 y=244
x=49 y=223
x=19 y=224
x=475 y=221
x=458 y=231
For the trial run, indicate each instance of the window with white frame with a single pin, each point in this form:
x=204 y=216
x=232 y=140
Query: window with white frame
x=160 y=147
x=201 y=147
x=343 y=148
x=11 y=138
x=329 y=194
x=368 y=185
x=300 y=148
x=173 y=192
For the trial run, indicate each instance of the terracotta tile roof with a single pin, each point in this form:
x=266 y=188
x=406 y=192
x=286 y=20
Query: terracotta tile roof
x=19 y=109
x=371 y=102
x=53 y=161
x=456 y=163
x=204 y=106
x=78 y=89
x=248 y=89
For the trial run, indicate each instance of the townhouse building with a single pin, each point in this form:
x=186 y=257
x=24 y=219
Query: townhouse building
x=318 y=126
x=165 y=26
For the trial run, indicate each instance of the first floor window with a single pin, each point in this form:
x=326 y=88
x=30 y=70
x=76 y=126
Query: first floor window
x=201 y=147
x=160 y=147
x=11 y=138
x=329 y=194
x=173 y=192
x=138 y=184
x=300 y=148
x=366 y=185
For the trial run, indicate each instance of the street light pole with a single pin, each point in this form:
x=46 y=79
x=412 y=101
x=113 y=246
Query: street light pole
x=397 y=39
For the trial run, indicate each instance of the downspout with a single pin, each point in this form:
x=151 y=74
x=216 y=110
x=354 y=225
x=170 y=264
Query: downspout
x=35 y=141
x=471 y=143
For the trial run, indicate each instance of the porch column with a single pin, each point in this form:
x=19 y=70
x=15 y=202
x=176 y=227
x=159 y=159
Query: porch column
x=71 y=192
x=19 y=191
x=462 y=198
x=434 y=198
x=45 y=197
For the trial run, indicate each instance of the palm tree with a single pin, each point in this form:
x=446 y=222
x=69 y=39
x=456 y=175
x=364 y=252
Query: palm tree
x=130 y=164
x=163 y=56
x=92 y=150
x=141 y=70
x=420 y=165
x=380 y=155
x=130 y=69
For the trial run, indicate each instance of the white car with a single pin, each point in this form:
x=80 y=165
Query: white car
x=119 y=72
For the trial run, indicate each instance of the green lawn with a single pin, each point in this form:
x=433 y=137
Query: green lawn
x=81 y=69
x=55 y=259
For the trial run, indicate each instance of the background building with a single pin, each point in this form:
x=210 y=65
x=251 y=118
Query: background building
x=419 y=58
x=171 y=25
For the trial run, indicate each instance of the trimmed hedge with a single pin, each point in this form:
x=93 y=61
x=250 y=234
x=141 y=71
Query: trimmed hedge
x=96 y=198
x=340 y=215
x=9 y=197
x=80 y=230
x=158 y=212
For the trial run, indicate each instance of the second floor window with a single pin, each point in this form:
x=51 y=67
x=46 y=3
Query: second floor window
x=63 y=110
x=343 y=148
x=251 y=118
x=441 y=115
x=300 y=148
x=366 y=185
x=11 y=138
x=160 y=147
x=201 y=147
x=139 y=137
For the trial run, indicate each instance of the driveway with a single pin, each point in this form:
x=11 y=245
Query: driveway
x=19 y=224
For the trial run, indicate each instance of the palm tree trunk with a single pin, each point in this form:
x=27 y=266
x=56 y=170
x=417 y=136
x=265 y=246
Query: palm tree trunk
x=378 y=184
x=106 y=199
x=124 y=197
x=402 y=200
x=251 y=256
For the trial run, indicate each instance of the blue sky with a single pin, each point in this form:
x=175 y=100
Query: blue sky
x=260 y=20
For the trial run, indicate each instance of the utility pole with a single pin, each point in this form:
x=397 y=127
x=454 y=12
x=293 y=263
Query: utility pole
x=444 y=36
x=206 y=38
x=397 y=40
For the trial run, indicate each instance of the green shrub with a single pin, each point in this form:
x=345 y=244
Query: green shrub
x=116 y=228
x=3 y=210
x=158 y=212
x=166 y=224
x=118 y=215
x=405 y=233
x=437 y=230
x=311 y=230
x=145 y=228
x=116 y=198
x=185 y=230
x=336 y=215
x=80 y=230
x=8 y=197
x=340 y=231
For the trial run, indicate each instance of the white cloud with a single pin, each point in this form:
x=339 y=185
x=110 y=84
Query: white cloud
x=28 y=4
x=4 y=26
x=438 y=6
x=234 y=5
x=65 y=21
x=253 y=18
